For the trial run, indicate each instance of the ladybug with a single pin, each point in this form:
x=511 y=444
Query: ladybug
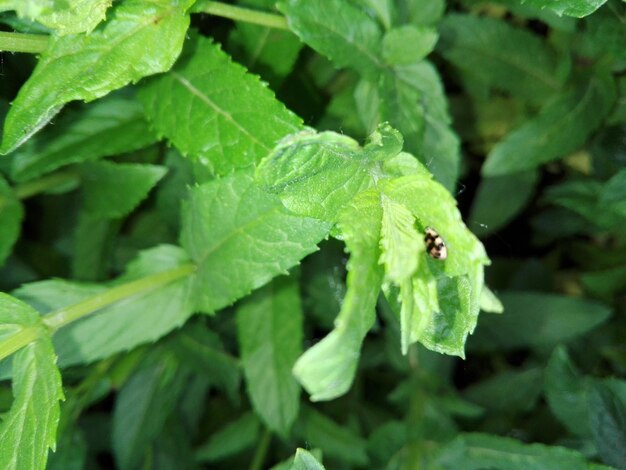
x=435 y=246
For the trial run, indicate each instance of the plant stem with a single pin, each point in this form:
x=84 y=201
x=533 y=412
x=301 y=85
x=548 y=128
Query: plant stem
x=70 y=314
x=22 y=42
x=17 y=341
x=236 y=13
x=261 y=451
x=45 y=183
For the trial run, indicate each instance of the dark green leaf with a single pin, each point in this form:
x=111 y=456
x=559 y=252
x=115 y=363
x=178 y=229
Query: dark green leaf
x=11 y=214
x=212 y=110
x=269 y=324
x=508 y=392
x=237 y=436
x=142 y=37
x=256 y=239
x=607 y=416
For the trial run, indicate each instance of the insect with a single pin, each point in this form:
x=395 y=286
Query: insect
x=435 y=246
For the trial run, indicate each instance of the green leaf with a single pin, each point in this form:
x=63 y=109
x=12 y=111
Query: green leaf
x=94 y=239
x=316 y=175
x=565 y=391
x=110 y=126
x=561 y=127
x=256 y=239
x=234 y=438
x=480 y=451
x=124 y=325
x=64 y=16
x=576 y=8
x=348 y=36
x=408 y=44
x=412 y=99
x=304 y=460
x=142 y=406
x=334 y=440
x=500 y=56
x=269 y=325
x=499 y=199
x=28 y=429
x=537 y=320
x=142 y=37
x=489 y=302
x=113 y=190
x=201 y=349
x=231 y=119
x=607 y=416
x=509 y=392
x=11 y=214
x=327 y=369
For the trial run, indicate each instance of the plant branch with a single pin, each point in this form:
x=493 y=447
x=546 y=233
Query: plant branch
x=45 y=183
x=236 y=13
x=70 y=314
x=18 y=340
x=261 y=451
x=22 y=42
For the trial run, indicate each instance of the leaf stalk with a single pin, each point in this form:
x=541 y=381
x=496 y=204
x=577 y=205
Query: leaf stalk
x=237 y=13
x=23 y=42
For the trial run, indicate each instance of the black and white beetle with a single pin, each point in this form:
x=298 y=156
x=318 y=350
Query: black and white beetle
x=435 y=246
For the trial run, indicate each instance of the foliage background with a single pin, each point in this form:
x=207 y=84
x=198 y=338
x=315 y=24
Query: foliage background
x=516 y=108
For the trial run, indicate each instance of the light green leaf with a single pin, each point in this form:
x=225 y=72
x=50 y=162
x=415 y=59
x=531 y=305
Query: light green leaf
x=413 y=100
x=232 y=439
x=576 y=8
x=425 y=12
x=269 y=325
x=500 y=56
x=607 y=417
x=348 y=36
x=143 y=404
x=110 y=126
x=327 y=369
x=124 y=325
x=11 y=213
x=408 y=44
x=231 y=119
x=337 y=441
x=561 y=127
x=499 y=199
x=537 y=320
x=489 y=302
x=113 y=190
x=142 y=37
x=64 y=16
x=317 y=174
x=256 y=239
x=304 y=460
x=480 y=451
x=565 y=391
x=28 y=429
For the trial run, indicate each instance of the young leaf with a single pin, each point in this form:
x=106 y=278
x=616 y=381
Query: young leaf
x=501 y=56
x=607 y=416
x=143 y=404
x=255 y=240
x=28 y=429
x=348 y=36
x=327 y=369
x=142 y=37
x=479 y=451
x=110 y=126
x=11 y=213
x=561 y=127
x=304 y=460
x=211 y=109
x=124 y=325
x=269 y=325
x=537 y=320
x=113 y=190
x=565 y=391
x=577 y=8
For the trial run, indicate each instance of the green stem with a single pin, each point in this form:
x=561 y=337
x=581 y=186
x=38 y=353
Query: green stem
x=22 y=42
x=17 y=341
x=45 y=183
x=70 y=314
x=236 y=13
x=261 y=451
